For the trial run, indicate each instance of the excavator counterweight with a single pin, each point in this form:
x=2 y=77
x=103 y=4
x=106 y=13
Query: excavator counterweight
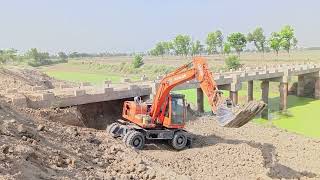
x=164 y=118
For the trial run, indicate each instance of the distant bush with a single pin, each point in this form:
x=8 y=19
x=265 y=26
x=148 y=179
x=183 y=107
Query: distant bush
x=34 y=63
x=232 y=62
x=137 y=61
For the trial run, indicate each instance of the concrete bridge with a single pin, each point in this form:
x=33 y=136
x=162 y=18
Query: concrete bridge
x=231 y=81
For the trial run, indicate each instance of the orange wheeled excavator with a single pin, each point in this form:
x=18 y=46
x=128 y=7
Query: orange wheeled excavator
x=164 y=118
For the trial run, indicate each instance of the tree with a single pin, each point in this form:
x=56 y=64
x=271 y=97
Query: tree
x=37 y=58
x=137 y=61
x=181 y=44
x=8 y=55
x=159 y=50
x=219 y=40
x=232 y=62
x=237 y=41
x=63 y=56
x=74 y=55
x=214 y=40
x=226 y=48
x=258 y=38
x=196 y=48
x=168 y=46
x=288 y=39
x=274 y=42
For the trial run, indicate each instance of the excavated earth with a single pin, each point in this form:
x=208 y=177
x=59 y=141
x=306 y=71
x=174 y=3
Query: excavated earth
x=66 y=144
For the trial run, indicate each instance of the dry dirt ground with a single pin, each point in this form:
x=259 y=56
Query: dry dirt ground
x=33 y=145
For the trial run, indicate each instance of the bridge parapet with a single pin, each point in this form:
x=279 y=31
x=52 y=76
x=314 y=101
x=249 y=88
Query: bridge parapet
x=232 y=80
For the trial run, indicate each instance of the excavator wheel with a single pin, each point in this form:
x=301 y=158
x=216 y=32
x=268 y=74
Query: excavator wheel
x=135 y=140
x=125 y=138
x=179 y=140
x=110 y=126
x=112 y=129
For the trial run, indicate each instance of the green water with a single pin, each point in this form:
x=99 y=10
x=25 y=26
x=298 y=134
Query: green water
x=302 y=116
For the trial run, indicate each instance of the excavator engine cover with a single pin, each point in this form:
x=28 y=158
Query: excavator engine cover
x=235 y=117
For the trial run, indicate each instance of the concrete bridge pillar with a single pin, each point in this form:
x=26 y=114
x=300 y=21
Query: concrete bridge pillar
x=200 y=100
x=265 y=97
x=283 y=96
x=317 y=88
x=233 y=95
x=300 y=87
x=235 y=86
x=250 y=91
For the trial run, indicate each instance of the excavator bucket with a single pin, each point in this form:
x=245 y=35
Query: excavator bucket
x=235 y=117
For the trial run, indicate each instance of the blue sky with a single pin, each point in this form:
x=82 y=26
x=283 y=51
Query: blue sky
x=136 y=25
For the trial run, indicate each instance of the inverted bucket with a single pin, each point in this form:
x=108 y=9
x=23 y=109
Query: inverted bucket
x=235 y=117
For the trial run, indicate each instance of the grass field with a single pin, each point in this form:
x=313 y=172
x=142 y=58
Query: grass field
x=77 y=72
x=95 y=78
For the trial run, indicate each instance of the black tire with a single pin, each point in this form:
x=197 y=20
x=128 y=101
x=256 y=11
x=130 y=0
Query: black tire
x=126 y=136
x=114 y=129
x=110 y=126
x=179 y=140
x=135 y=140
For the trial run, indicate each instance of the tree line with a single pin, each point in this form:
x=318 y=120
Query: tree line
x=216 y=43
x=34 y=57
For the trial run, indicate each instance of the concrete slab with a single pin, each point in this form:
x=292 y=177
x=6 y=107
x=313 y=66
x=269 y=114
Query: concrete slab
x=49 y=96
x=85 y=84
x=19 y=100
x=108 y=90
x=79 y=92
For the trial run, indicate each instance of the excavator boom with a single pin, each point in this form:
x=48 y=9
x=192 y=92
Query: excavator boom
x=198 y=69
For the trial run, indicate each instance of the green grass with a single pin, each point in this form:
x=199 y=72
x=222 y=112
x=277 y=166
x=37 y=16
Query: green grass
x=94 y=78
x=96 y=73
x=302 y=116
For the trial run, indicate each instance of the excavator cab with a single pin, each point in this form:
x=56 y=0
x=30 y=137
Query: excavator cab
x=175 y=115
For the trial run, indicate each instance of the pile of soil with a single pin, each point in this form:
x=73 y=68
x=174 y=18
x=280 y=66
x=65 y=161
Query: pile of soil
x=35 y=148
x=24 y=79
x=250 y=152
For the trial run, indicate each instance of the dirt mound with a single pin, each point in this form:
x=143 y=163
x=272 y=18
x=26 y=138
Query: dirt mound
x=68 y=116
x=250 y=152
x=39 y=149
x=25 y=79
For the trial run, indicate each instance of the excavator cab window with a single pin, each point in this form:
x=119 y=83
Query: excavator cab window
x=177 y=109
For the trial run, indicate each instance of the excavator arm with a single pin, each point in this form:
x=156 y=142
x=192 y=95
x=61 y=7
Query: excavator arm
x=198 y=69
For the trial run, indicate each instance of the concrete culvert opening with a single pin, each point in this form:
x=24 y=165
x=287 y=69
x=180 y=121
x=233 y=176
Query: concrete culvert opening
x=93 y=115
x=99 y=115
